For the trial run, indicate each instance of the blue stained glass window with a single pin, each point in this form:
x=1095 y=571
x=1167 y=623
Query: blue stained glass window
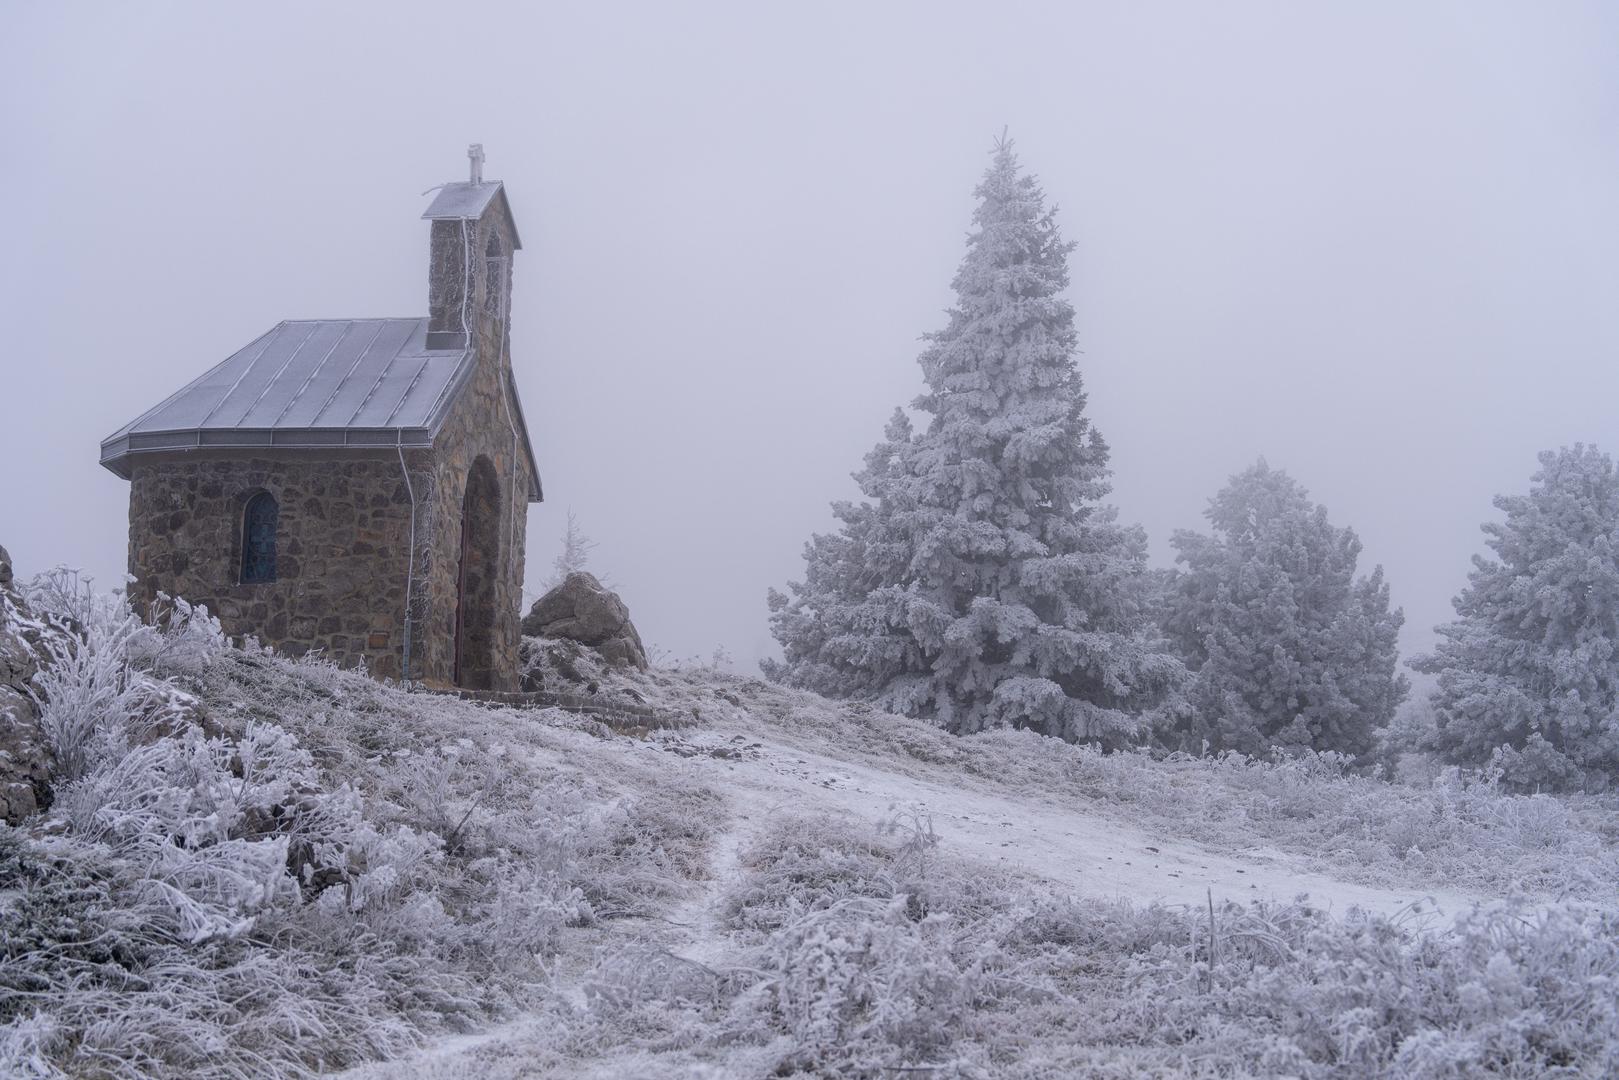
x=259 y=521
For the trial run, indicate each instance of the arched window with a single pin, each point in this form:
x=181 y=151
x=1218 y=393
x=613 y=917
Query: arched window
x=259 y=519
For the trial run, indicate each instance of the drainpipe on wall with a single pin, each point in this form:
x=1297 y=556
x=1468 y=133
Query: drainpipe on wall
x=410 y=571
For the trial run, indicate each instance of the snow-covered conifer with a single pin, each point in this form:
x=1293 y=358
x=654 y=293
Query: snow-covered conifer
x=1288 y=647
x=985 y=584
x=1529 y=673
x=830 y=641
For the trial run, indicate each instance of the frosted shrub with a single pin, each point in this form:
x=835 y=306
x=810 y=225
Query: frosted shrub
x=27 y=1046
x=650 y=995
x=839 y=968
x=258 y=866
x=1511 y=992
x=861 y=953
x=804 y=861
x=185 y=638
x=169 y=806
x=103 y=972
x=67 y=597
x=216 y=906
x=1534 y=821
x=864 y=975
x=178 y=846
x=456 y=880
x=214 y=823
x=94 y=703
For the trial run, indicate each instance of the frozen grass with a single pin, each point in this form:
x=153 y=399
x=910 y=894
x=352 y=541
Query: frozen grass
x=537 y=788
x=860 y=957
x=258 y=867
x=1457 y=833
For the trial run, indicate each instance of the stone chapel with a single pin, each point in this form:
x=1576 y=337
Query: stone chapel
x=357 y=486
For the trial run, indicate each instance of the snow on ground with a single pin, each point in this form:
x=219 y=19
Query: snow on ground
x=777 y=884
x=1074 y=846
x=765 y=773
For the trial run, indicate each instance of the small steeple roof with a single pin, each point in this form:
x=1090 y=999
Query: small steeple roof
x=466 y=200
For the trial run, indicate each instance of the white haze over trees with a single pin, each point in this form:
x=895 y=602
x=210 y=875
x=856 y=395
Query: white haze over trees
x=986 y=584
x=1289 y=647
x=1298 y=225
x=1529 y=672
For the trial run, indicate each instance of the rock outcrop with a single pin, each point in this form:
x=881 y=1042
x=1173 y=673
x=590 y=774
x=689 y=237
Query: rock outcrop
x=582 y=609
x=25 y=757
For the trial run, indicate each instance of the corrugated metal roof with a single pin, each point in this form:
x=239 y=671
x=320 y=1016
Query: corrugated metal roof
x=328 y=384
x=465 y=200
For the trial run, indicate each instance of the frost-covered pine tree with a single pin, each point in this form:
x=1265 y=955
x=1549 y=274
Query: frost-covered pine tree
x=984 y=584
x=1288 y=648
x=833 y=638
x=1529 y=673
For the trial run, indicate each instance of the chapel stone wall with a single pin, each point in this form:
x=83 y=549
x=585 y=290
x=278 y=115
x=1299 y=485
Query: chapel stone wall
x=481 y=423
x=341 y=554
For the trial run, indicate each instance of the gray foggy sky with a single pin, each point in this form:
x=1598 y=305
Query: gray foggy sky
x=1376 y=243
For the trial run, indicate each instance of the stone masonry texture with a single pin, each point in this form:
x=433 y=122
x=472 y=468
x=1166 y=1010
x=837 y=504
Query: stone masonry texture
x=344 y=548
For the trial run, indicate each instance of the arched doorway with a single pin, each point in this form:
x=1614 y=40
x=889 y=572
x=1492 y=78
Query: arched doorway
x=475 y=589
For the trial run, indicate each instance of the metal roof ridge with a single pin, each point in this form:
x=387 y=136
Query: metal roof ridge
x=359 y=318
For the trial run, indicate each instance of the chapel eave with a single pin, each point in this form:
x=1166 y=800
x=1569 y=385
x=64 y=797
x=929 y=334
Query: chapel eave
x=282 y=391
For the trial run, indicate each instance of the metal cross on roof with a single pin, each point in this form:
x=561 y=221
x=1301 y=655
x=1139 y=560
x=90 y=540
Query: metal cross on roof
x=475 y=152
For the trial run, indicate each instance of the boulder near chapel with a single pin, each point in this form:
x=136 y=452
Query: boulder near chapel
x=357 y=486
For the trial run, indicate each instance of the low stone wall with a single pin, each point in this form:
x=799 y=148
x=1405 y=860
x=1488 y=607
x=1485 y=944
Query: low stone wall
x=614 y=712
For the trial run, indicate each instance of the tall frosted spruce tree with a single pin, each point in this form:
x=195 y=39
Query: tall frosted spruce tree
x=1289 y=649
x=1529 y=672
x=983 y=584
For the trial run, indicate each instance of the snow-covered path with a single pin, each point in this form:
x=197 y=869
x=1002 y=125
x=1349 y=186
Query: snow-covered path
x=700 y=929
x=1079 y=848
